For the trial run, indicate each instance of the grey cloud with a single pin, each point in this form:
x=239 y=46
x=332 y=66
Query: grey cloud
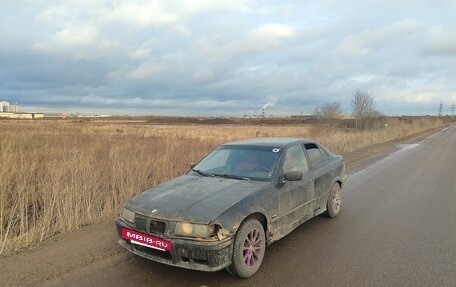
x=441 y=41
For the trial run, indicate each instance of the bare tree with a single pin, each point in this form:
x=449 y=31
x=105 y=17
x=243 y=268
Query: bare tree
x=329 y=112
x=363 y=108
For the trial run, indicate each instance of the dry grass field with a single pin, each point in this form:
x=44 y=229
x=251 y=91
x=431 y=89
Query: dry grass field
x=59 y=175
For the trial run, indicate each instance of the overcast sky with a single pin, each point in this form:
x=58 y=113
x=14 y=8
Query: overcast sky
x=226 y=57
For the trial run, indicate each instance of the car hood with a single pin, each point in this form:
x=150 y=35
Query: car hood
x=193 y=198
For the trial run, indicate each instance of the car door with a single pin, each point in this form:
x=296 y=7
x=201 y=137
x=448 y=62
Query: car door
x=295 y=197
x=320 y=172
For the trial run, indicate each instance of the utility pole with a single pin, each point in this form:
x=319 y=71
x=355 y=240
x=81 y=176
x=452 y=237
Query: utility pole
x=452 y=110
x=440 y=108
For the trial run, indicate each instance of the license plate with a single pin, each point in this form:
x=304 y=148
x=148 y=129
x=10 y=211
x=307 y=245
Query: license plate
x=145 y=240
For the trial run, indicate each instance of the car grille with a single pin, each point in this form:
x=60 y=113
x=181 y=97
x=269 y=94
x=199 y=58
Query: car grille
x=140 y=224
x=157 y=226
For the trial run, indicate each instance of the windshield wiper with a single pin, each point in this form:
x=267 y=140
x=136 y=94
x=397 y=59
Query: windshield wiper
x=202 y=172
x=232 y=176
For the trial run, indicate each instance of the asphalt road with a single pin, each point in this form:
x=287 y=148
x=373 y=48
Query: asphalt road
x=397 y=228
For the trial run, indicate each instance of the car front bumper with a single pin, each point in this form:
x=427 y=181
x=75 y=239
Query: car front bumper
x=189 y=254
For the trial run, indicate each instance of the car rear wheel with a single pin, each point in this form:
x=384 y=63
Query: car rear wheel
x=248 y=250
x=334 y=202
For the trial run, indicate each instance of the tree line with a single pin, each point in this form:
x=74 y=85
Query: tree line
x=363 y=110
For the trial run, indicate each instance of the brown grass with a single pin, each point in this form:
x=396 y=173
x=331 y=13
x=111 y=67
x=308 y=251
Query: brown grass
x=56 y=176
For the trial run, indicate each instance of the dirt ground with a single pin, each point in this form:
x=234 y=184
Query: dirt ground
x=92 y=245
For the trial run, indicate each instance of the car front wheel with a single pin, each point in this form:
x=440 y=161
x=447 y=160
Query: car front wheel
x=248 y=249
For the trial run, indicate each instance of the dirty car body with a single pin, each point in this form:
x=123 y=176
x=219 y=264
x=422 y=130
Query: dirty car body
x=194 y=221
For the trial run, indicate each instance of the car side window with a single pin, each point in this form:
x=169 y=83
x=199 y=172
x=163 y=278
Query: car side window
x=295 y=160
x=316 y=156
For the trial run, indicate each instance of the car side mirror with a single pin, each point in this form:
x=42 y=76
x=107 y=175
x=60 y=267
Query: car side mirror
x=293 y=175
x=192 y=165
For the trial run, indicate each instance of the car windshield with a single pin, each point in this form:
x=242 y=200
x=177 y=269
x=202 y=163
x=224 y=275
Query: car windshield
x=250 y=162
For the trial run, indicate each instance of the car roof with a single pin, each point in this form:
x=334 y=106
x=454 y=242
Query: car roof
x=270 y=142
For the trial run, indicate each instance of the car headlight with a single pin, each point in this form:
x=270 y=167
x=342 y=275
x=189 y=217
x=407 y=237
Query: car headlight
x=128 y=215
x=194 y=230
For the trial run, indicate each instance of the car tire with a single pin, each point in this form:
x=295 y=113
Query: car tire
x=334 y=202
x=248 y=249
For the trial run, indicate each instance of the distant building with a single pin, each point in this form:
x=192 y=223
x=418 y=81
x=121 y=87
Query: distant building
x=4 y=107
x=14 y=112
x=30 y=116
